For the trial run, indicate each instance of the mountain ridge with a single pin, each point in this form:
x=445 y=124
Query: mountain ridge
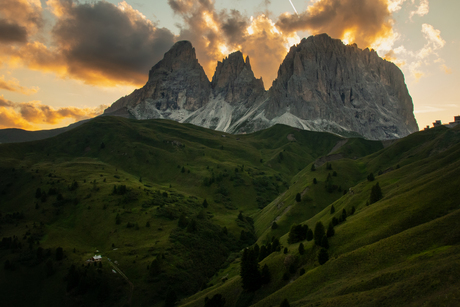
x=322 y=85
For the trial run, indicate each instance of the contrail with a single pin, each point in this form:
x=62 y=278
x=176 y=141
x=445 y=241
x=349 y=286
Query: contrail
x=294 y=7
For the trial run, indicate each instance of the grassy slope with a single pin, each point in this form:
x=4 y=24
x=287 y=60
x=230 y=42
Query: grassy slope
x=400 y=251
x=154 y=151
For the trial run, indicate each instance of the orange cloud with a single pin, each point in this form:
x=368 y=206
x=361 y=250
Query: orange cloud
x=26 y=114
x=14 y=86
x=359 y=21
x=215 y=34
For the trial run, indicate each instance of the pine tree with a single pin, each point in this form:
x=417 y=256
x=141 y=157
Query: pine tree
x=370 y=177
x=315 y=181
x=249 y=272
x=265 y=275
x=319 y=233
x=323 y=256
x=205 y=204
x=376 y=194
x=216 y=301
x=344 y=215
x=332 y=209
x=298 y=198
x=155 y=266
x=325 y=242
x=301 y=248
x=59 y=254
x=285 y=303
x=171 y=298
x=309 y=235
x=183 y=222
x=313 y=168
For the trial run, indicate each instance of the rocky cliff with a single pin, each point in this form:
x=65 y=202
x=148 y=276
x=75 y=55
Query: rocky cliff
x=322 y=85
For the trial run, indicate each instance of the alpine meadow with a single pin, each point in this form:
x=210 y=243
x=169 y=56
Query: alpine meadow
x=154 y=212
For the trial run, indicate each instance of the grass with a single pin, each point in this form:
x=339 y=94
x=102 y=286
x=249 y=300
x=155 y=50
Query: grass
x=406 y=241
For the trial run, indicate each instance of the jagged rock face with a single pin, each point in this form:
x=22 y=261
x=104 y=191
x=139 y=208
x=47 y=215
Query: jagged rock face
x=321 y=78
x=178 y=82
x=322 y=85
x=235 y=81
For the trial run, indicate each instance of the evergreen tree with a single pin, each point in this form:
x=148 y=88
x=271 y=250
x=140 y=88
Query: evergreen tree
x=325 y=242
x=285 y=251
x=265 y=275
x=309 y=235
x=344 y=215
x=332 y=209
x=285 y=303
x=301 y=248
x=323 y=256
x=38 y=193
x=298 y=198
x=249 y=272
x=330 y=230
x=205 y=204
x=315 y=181
x=370 y=177
x=216 y=301
x=59 y=254
x=274 y=225
x=118 y=219
x=319 y=233
x=192 y=226
x=313 y=168
x=376 y=194
x=183 y=222
x=155 y=266
x=171 y=298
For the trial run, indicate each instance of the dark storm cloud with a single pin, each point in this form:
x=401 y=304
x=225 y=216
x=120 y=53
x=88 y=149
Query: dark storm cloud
x=103 y=41
x=12 y=33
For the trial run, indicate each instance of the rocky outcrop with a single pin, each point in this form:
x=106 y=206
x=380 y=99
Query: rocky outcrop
x=355 y=89
x=235 y=81
x=322 y=85
x=176 y=83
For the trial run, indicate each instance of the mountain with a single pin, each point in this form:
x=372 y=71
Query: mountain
x=13 y=135
x=322 y=85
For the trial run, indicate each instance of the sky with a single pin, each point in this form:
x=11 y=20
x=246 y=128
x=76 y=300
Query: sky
x=62 y=61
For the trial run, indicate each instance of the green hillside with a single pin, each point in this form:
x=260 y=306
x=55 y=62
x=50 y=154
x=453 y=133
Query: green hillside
x=172 y=206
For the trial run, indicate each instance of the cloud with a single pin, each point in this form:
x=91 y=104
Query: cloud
x=359 y=21
x=215 y=34
x=19 y=19
x=446 y=69
x=433 y=36
x=26 y=114
x=422 y=9
x=14 y=86
x=100 y=44
x=12 y=33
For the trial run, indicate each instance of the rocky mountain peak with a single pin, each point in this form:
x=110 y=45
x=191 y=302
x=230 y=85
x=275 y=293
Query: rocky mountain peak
x=235 y=80
x=322 y=85
x=323 y=79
